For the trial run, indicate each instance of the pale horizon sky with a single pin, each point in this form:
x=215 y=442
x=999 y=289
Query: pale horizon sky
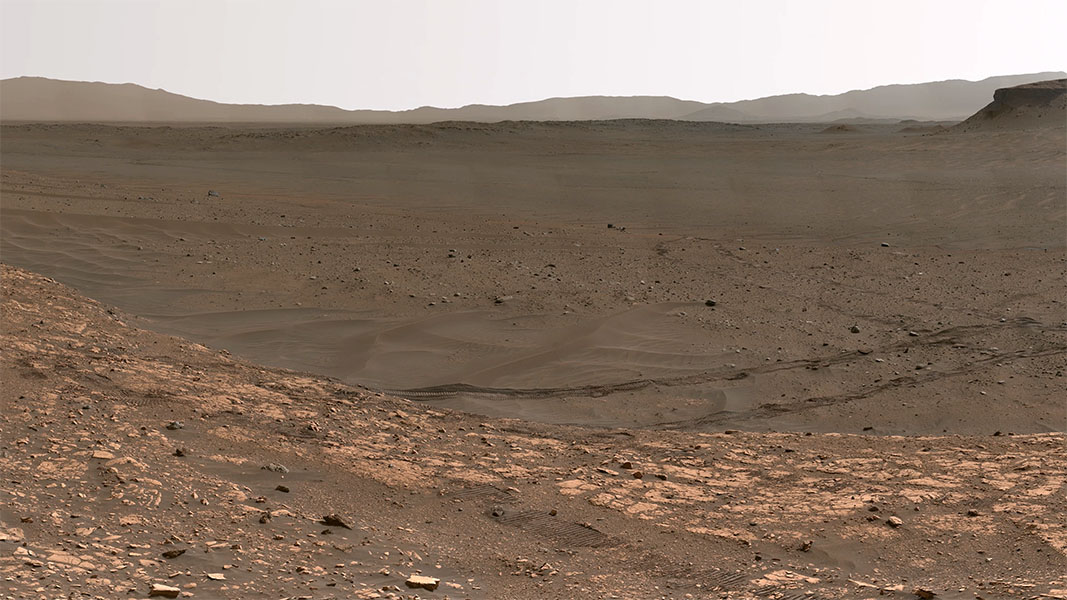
x=402 y=54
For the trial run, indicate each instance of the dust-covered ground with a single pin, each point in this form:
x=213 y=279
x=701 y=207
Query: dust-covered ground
x=135 y=459
x=790 y=333
x=869 y=280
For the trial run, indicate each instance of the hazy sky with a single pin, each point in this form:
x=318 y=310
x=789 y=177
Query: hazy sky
x=398 y=54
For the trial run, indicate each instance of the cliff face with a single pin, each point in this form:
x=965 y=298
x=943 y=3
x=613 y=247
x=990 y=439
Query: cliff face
x=1033 y=105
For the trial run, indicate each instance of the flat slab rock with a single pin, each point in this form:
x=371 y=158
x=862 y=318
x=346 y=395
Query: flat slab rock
x=164 y=591
x=423 y=582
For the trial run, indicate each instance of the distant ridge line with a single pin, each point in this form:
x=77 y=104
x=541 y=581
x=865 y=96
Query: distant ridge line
x=38 y=99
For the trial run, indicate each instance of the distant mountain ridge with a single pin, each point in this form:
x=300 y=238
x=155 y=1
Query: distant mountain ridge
x=951 y=100
x=47 y=100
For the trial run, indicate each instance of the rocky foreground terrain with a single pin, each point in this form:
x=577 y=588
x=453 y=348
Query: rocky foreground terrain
x=137 y=465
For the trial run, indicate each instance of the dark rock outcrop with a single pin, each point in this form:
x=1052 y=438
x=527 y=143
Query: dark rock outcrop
x=1032 y=105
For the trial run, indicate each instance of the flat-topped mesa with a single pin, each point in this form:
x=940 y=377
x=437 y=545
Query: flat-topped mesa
x=1038 y=104
x=1032 y=94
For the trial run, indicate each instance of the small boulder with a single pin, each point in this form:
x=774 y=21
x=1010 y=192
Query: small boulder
x=165 y=591
x=335 y=520
x=894 y=522
x=422 y=582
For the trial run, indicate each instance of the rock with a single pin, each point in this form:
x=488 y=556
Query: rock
x=423 y=582
x=166 y=591
x=335 y=520
x=174 y=553
x=885 y=244
x=854 y=329
x=503 y=299
x=277 y=468
x=497 y=511
x=216 y=576
x=925 y=594
x=638 y=474
x=213 y=193
x=627 y=464
x=894 y=521
x=282 y=488
x=973 y=513
x=102 y=455
x=180 y=452
x=913 y=334
x=710 y=303
x=173 y=425
x=806 y=546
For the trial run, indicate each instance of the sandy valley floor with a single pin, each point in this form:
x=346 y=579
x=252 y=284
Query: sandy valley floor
x=477 y=260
